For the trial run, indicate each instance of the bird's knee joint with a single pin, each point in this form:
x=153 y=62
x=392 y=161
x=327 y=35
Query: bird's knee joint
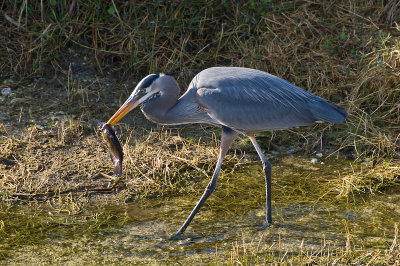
x=267 y=166
x=210 y=188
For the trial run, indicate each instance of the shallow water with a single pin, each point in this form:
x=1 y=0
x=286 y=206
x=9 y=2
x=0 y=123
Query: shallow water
x=306 y=213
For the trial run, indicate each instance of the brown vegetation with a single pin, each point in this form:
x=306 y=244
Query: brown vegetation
x=345 y=51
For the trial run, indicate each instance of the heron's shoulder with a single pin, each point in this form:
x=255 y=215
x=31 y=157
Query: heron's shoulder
x=225 y=74
x=248 y=85
x=240 y=78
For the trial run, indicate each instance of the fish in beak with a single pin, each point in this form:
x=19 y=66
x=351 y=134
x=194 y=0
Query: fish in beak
x=114 y=146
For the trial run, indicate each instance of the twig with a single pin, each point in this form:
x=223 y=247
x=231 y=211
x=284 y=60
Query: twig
x=15 y=23
x=354 y=13
x=33 y=195
x=23 y=7
x=116 y=10
x=41 y=11
x=74 y=189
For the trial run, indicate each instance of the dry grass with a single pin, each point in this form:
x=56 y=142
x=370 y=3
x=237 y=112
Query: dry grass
x=345 y=51
x=37 y=163
x=370 y=178
x=329 y=253
x=341 y=50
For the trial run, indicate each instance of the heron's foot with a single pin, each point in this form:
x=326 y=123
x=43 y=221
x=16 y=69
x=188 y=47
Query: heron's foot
x=267 y=225
x=183 y=236
x=177 y=236
x=179 y=233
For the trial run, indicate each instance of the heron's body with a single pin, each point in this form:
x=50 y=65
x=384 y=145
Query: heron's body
x=243 y=99
x=240 y=100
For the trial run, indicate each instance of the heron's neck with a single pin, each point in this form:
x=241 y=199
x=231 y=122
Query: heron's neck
x=156 y=108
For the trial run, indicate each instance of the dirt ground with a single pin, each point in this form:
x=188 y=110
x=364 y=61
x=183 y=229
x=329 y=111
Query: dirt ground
x=50 y=144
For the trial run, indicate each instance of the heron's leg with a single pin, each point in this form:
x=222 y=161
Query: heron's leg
x=267 y=170
x=228 y=135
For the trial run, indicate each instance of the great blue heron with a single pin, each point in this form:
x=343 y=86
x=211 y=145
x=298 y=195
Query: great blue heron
x=240 y=100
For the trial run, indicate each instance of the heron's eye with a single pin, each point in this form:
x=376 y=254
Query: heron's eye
x=142 y=91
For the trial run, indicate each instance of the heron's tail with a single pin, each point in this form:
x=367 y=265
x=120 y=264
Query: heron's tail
x=328 y=111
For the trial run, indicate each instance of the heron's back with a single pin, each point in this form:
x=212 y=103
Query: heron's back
x=252 y=100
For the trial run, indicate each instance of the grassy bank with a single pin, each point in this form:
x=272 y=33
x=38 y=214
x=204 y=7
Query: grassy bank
x=343 y=51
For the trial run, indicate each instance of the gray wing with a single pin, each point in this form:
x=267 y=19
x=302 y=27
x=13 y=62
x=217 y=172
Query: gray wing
x=252 y=100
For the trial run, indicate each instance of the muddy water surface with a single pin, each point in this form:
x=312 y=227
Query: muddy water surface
x=306 y=212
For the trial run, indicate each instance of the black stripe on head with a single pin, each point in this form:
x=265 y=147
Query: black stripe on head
x=147 y=81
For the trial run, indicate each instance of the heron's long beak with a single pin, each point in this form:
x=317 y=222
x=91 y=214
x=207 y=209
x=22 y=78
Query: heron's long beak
x=130 y=104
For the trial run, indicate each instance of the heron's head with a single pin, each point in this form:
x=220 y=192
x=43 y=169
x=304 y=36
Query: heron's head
x=147 y=87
